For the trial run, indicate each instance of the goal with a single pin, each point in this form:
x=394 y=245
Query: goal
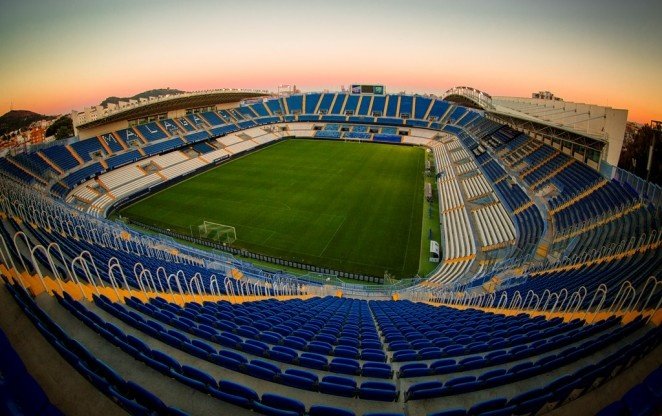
x=217 y=232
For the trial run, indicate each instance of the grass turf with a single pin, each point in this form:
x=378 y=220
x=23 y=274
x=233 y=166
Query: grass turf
x=347 y=206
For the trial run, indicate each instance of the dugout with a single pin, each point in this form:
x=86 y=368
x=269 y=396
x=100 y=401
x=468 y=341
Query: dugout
x=434 y=252
x=428 y=192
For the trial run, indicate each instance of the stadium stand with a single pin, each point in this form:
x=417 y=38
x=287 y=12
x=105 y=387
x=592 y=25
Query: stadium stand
x=12 y=169
x=151 y=131
x=197 y=121
x=111 y=142
x=546 y=292
x=438 y=110
x=60 y=156
x=295 y=104
x=338 y=103
x=203 y=148
x=324 y=106
x=122 y=159
x=312 y=101
x=186 y=124
x=170 y=126
x=351 y=104
x=197 y=136
x=129 y=137
x=247 y=113
x=20 y=393
x=212 y=118
x=37 y=165
x=75 y=177
x=162 y=146
x=89 y=149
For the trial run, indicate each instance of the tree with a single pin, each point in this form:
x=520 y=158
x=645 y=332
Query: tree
x=62 y=133
x=62 y=128
x=634 y=155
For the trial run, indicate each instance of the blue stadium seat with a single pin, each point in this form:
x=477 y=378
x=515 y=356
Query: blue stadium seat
x=144 y=397
x=283 y=403
x=196 y=378
x=345 y=366
x=130 y=405
x=424 y=390
x=487 y=406
x=235 y=393
x=640 y=401
x=299 y=379
x=614 y=409
x=322 y=410
x=339 y=386
x=414 y=370
x=262 y=370
x=378 y=390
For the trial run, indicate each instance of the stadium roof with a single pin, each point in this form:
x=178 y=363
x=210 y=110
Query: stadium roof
x=591 y=126
x=173 y=102
x=536 y=110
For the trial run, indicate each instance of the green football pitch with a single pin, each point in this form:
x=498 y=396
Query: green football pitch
x=354 y=207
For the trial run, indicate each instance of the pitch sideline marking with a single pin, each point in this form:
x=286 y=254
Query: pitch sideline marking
x=411 y=217
x=333 y=236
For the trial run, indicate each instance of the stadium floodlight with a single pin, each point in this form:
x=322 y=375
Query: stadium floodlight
x=217 y=232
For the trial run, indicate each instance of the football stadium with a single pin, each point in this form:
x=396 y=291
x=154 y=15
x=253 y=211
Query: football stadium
x=349 y=251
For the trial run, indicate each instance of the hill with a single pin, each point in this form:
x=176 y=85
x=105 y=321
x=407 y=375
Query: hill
x=144 y=94
x=17 y=119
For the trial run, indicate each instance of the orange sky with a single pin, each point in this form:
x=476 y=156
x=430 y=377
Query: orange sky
x=58 y=56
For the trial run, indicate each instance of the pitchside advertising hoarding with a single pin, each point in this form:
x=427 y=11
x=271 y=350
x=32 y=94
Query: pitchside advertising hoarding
x=367 y=89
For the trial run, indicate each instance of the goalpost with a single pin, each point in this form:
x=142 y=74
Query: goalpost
x=217 y=232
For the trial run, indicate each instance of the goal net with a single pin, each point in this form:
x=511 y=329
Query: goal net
x=217 y=232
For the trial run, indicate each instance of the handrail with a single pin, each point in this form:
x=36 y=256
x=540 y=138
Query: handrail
x=35 y=264
x=196 y=279
x=158 y=277
x=214 y=281
x=114 y=264
x=84 y=267
x=8 y=260
x=628 y=293
x=18 y=251
x=179 y=286
x=650 y=295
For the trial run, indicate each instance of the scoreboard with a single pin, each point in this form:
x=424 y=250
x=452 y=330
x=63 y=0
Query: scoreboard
x=367 y=89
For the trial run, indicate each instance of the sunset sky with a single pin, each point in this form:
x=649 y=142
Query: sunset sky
x=58 y=55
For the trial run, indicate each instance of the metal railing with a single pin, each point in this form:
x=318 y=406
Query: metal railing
x=50 y=261
x=652 y=240
x=646 y=300
x=84 y=269
x=649 y=190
